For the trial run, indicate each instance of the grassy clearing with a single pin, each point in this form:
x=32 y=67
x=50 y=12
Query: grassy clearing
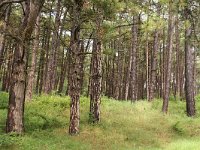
x=124 y=126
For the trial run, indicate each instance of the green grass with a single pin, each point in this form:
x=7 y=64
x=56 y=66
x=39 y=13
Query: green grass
x=124 y=126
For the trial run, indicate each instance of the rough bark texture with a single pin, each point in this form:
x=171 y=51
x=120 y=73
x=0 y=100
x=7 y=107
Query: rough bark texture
x=31 y=74
x=178 y=63
x=40 y=70
x=8 y=70
x=168 y=60
x=119 y=72
x=64 y=63
x=154 y=66
x=63 y=74
x=15 y=121
x=189 y=71
x=74 y=84
x=52 y=62
x=95 y=82
x=128 y=75
x=2 y=37
x=133 y=75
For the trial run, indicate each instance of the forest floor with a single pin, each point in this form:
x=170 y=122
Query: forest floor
x=124 y=126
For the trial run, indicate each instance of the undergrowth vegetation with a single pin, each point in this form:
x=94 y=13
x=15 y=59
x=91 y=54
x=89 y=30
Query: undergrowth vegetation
x=124 y=126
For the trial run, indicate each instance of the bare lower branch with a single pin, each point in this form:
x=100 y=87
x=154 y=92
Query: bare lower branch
x=4 y=2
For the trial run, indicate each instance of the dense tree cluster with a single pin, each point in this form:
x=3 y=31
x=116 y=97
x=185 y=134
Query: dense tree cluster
x=124 y=49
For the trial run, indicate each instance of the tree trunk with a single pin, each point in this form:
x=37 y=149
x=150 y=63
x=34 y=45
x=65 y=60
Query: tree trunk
x=74 y=83
x=133 y=82
x=8 y=71
x=119 y=72
x=168 y=60
x=63 y=74
x=189 y=70
x=154 y=66
x=95 y=85
x=2 y=36
x=31 y=75
x=178 y=65
x=128 y=76
x=96 y=73
x=15 y=117
x=52 y=62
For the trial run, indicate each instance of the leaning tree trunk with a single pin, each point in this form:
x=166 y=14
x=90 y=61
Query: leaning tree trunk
x=189 y=71
x=15 y=117
x=168 y=60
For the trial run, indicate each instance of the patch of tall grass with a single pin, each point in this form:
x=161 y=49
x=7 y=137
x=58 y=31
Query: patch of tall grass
x=124 y=126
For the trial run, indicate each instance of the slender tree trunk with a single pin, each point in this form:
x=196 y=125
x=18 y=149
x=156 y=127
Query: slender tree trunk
x=119 y=73
x=96 y=73
x=8 y=71
x=95 y=85
x=39 y=82
x=133 y=82
x=63 y=74
x=128 y=76
x=64 y=63
x=177 y=87
x=52 y=62
x=189 y=70
x=2 y=38
x=31 y=74
x=147 y=65
x=154 y=66
x=82 y=50
x=168 y=60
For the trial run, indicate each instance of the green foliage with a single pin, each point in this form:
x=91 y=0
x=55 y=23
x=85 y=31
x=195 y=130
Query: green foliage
x=3 y=100
x=124 y=126
x=8 y=141
x=109 y=51
x=178 y=128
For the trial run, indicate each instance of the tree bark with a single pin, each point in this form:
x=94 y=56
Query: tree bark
x=31 y=74
x=15 y=117
x=95 y=85
x=2 y=36
x=74 y=70
x=189 y=70
x=52 y=62
x=133 y=75
x=154 y=66
x=168 y=60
